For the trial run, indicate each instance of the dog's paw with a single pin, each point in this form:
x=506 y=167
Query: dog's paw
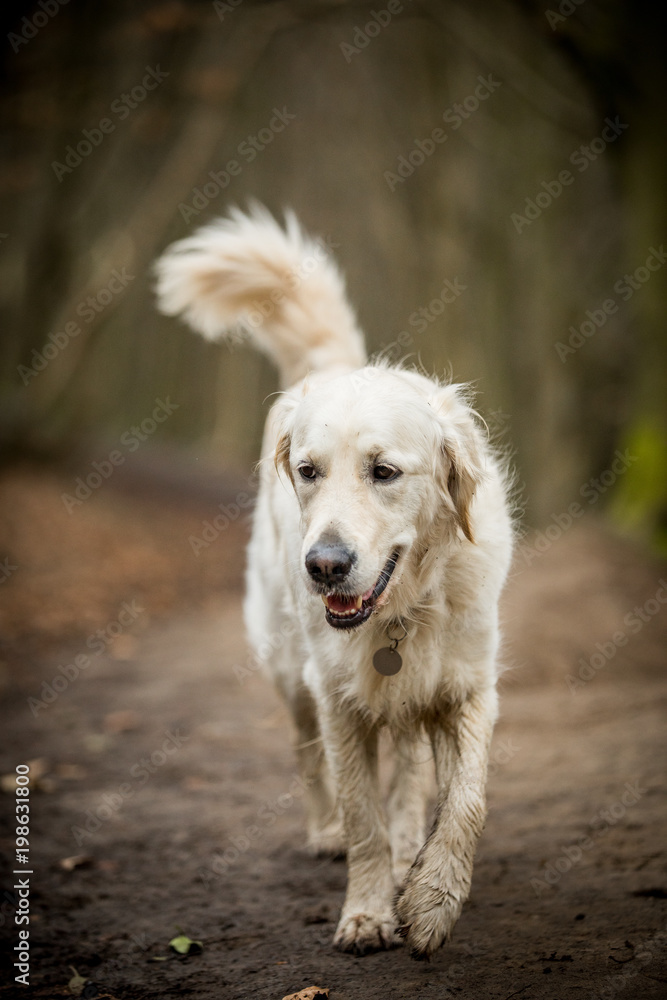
x=426 y=915
x=361 y=933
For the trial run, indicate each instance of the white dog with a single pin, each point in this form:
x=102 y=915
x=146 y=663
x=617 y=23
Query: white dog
x=381 y=540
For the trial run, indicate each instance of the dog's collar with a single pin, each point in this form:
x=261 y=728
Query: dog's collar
x=387 y=660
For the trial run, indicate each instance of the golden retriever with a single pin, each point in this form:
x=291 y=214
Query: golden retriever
x=383 y=534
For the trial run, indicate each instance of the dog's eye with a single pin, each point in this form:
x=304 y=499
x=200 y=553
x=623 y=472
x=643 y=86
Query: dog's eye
x=385 y=473
x=307 y=472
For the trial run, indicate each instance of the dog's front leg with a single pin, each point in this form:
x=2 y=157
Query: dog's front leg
x=438 y=884
x=367 y=922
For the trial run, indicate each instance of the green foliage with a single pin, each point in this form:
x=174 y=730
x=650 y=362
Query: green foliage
x=639 y=504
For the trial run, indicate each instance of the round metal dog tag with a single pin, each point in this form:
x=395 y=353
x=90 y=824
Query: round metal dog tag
x=387 y=661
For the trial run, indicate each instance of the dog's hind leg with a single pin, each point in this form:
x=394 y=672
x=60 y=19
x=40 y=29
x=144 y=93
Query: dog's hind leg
x=324 y=825
x=408 y=795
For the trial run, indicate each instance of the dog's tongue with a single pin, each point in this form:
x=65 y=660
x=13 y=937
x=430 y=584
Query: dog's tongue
x=339 y=604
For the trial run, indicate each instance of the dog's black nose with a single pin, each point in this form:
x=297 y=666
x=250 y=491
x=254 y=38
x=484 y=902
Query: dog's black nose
x=329 y=562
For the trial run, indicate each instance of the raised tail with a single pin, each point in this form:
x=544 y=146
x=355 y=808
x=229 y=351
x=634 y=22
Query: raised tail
x=279 y=286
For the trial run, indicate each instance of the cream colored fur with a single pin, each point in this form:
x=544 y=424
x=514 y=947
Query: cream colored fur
x=447 y=514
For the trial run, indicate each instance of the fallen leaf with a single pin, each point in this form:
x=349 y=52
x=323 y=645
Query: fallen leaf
x=37 y=768
x=76 y=861
x=8 y=783
x=184 y=945
x=77 y=983
x=310 y=993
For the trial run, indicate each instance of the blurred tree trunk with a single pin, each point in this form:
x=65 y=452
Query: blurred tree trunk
x=619 y=53
x=365 y=103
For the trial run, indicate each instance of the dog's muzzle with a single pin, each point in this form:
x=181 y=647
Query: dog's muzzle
x=344 y=610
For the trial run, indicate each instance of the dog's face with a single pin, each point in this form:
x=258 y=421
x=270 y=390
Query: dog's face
x=375 y=458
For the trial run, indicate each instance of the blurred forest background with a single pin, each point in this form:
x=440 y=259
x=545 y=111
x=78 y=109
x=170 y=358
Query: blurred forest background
x=120 y=122
x=491 y=177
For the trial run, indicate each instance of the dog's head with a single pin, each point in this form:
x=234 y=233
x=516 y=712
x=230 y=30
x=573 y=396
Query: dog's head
x=381 y=460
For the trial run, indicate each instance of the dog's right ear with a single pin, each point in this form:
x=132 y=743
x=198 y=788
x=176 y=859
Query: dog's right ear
x=282 y=417
x=281 y=455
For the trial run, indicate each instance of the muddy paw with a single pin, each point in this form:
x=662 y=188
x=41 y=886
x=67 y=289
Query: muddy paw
x=362 y=933
x=426 y=917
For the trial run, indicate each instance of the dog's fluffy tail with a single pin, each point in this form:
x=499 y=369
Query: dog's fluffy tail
x=280 y=286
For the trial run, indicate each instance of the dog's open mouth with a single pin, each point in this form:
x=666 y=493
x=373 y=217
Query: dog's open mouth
x=348 y=610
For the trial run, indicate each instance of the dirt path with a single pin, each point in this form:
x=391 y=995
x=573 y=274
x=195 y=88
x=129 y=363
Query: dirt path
x=167 y=767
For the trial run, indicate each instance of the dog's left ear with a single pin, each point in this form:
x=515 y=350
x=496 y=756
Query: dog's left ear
x=460 y=462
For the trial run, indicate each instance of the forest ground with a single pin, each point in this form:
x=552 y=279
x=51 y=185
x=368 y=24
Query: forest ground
x=165 y=796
